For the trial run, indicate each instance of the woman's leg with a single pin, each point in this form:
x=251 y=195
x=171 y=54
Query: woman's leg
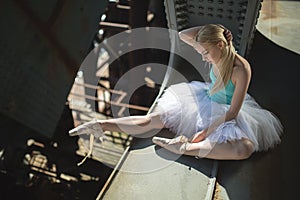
x=231 y=150
x=133 y=125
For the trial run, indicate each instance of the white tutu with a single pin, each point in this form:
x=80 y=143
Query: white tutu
x=186 y=108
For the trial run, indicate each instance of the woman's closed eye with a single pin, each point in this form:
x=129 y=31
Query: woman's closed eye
x=204 y=53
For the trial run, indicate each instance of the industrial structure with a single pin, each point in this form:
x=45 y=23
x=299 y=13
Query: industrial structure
x=60 y=67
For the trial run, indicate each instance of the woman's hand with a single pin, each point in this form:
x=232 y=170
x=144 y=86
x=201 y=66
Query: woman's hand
x=198 y=137
x=227 y=34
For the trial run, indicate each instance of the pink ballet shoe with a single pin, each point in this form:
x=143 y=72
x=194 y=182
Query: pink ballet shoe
x=176 y=145
x=92 y=127
x=166 y=141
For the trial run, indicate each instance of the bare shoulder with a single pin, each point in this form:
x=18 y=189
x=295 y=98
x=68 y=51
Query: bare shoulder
x=241 y=69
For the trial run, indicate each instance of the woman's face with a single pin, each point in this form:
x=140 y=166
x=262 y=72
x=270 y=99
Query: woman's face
x=210 y=53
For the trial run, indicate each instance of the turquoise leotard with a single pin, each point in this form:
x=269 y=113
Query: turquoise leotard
x=224 y=95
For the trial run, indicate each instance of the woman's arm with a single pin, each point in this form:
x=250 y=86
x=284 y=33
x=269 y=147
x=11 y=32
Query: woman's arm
x=187 y=35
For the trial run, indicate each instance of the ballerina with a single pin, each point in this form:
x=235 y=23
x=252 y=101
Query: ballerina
x=217 y=119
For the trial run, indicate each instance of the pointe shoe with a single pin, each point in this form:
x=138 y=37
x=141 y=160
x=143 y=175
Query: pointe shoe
x=176 y=145
x=161 y=141
x=165 y=141
x=92 y=127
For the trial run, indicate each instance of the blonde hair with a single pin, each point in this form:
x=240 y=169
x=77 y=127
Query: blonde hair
x=212 y=34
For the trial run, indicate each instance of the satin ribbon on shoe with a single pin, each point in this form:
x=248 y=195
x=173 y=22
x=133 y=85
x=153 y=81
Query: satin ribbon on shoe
x=90 y=151
x=93 y=128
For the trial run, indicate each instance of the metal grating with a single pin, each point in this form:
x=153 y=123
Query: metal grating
x=239 y=16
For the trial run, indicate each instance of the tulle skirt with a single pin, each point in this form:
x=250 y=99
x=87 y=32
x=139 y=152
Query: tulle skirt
x=186 y=108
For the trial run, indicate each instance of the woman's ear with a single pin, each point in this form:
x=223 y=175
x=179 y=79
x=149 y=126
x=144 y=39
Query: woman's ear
x=220 y=44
